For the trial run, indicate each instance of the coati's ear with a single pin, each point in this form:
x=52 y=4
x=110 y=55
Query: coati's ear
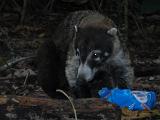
x=112 y=31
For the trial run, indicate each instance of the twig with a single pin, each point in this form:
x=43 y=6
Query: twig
x=140 y=27
x=10 y=78
x=100 y=5
x=23 y=11
x=50 y=8
x=74 y=110
x=6 y=66
x=126 y=19
x=49 y=5
x=18 y=7
x=46 y=7
x=92 y=4
x=26 y=78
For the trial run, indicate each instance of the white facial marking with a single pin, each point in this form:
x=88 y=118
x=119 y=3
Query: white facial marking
x=97 y=59
x=77 y=52
x=85 y=72
x=112 y=31
x=76 y=29
x=106 y=54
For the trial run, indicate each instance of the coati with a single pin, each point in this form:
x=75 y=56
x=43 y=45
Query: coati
x=84 y=55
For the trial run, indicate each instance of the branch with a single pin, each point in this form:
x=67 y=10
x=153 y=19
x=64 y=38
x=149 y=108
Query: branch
x=6 y=66
x=23 y=11
x=41 y=108
x=23 y=106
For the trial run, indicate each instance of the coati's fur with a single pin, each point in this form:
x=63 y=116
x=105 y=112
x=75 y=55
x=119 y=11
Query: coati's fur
x=84 y=55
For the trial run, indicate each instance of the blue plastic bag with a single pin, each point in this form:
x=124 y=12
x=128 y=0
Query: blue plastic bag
x=125 y=98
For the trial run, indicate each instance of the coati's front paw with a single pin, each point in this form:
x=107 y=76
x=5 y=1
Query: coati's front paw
x=81 y=91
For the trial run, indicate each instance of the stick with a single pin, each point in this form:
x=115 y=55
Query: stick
x=6 y=66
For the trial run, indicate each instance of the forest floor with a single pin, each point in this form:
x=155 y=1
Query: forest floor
x=19 y=43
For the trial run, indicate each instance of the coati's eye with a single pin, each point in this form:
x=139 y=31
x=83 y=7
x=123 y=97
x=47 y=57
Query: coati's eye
x=96 y=56
x=100 y=56
x=77 y=52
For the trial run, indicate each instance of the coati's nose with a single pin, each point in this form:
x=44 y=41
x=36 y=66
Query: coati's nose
x=84 y=73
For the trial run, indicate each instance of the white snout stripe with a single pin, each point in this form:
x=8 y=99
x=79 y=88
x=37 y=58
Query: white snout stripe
x=85 y=72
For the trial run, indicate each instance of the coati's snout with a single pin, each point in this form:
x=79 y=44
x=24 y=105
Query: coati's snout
x=85 y=73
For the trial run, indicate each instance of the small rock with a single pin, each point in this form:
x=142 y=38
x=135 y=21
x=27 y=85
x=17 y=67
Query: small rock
x=151 y=78
x=11 y=115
